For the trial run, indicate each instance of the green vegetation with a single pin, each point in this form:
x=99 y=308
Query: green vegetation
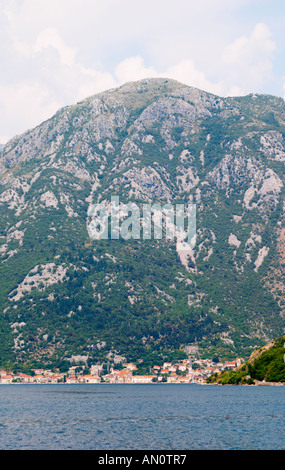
x=266 y=365
x=155 y=141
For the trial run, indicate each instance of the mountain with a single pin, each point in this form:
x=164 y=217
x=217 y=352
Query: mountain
x=64 y=295
x=266 y=366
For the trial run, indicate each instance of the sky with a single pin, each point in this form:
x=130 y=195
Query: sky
x=55 y=53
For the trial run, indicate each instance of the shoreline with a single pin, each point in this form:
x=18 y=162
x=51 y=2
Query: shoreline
x=258 y=384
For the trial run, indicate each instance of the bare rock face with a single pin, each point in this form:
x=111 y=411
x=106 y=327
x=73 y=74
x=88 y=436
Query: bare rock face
x=151 y=141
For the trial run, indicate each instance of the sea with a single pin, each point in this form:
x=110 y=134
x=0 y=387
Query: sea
x=141 y=416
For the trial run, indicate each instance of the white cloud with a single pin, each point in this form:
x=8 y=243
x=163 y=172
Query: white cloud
x=91 y=81
x=248 y=61
x=4 y=139
x=187 y=72
x=51 y=38
x=57 y=53
x=132 y=69
x=25 y=106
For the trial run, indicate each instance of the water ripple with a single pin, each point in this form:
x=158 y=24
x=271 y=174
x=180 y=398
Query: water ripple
x=141 y=417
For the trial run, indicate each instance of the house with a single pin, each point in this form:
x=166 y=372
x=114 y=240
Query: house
x=55 y=378
x=131 y=366
x=173 y=378
x=91 y=379
x=142 y=379
x=124 y=376
x=71 y=379
x=183 y=380
x=27 y=379
x=39 y=378
x=229 y=365
x=166 y=365
x=96 y=369
x=6 y=378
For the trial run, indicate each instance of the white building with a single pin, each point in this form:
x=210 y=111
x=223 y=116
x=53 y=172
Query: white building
x=91 y=379
x=96 y=369
x=144 y=379
x=6 y=379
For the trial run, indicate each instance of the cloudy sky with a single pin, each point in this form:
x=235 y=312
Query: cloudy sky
x=55 y=53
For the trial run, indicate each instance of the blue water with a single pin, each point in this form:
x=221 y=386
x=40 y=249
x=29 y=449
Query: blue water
x=147 y=417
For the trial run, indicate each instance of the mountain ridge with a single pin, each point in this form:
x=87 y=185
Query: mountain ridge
x=126 y=86
x=155 y=140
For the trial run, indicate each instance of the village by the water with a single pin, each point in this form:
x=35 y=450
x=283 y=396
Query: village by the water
x=190 y=370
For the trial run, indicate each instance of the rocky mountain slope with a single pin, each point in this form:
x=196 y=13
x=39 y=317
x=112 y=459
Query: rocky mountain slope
x=63 y=294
